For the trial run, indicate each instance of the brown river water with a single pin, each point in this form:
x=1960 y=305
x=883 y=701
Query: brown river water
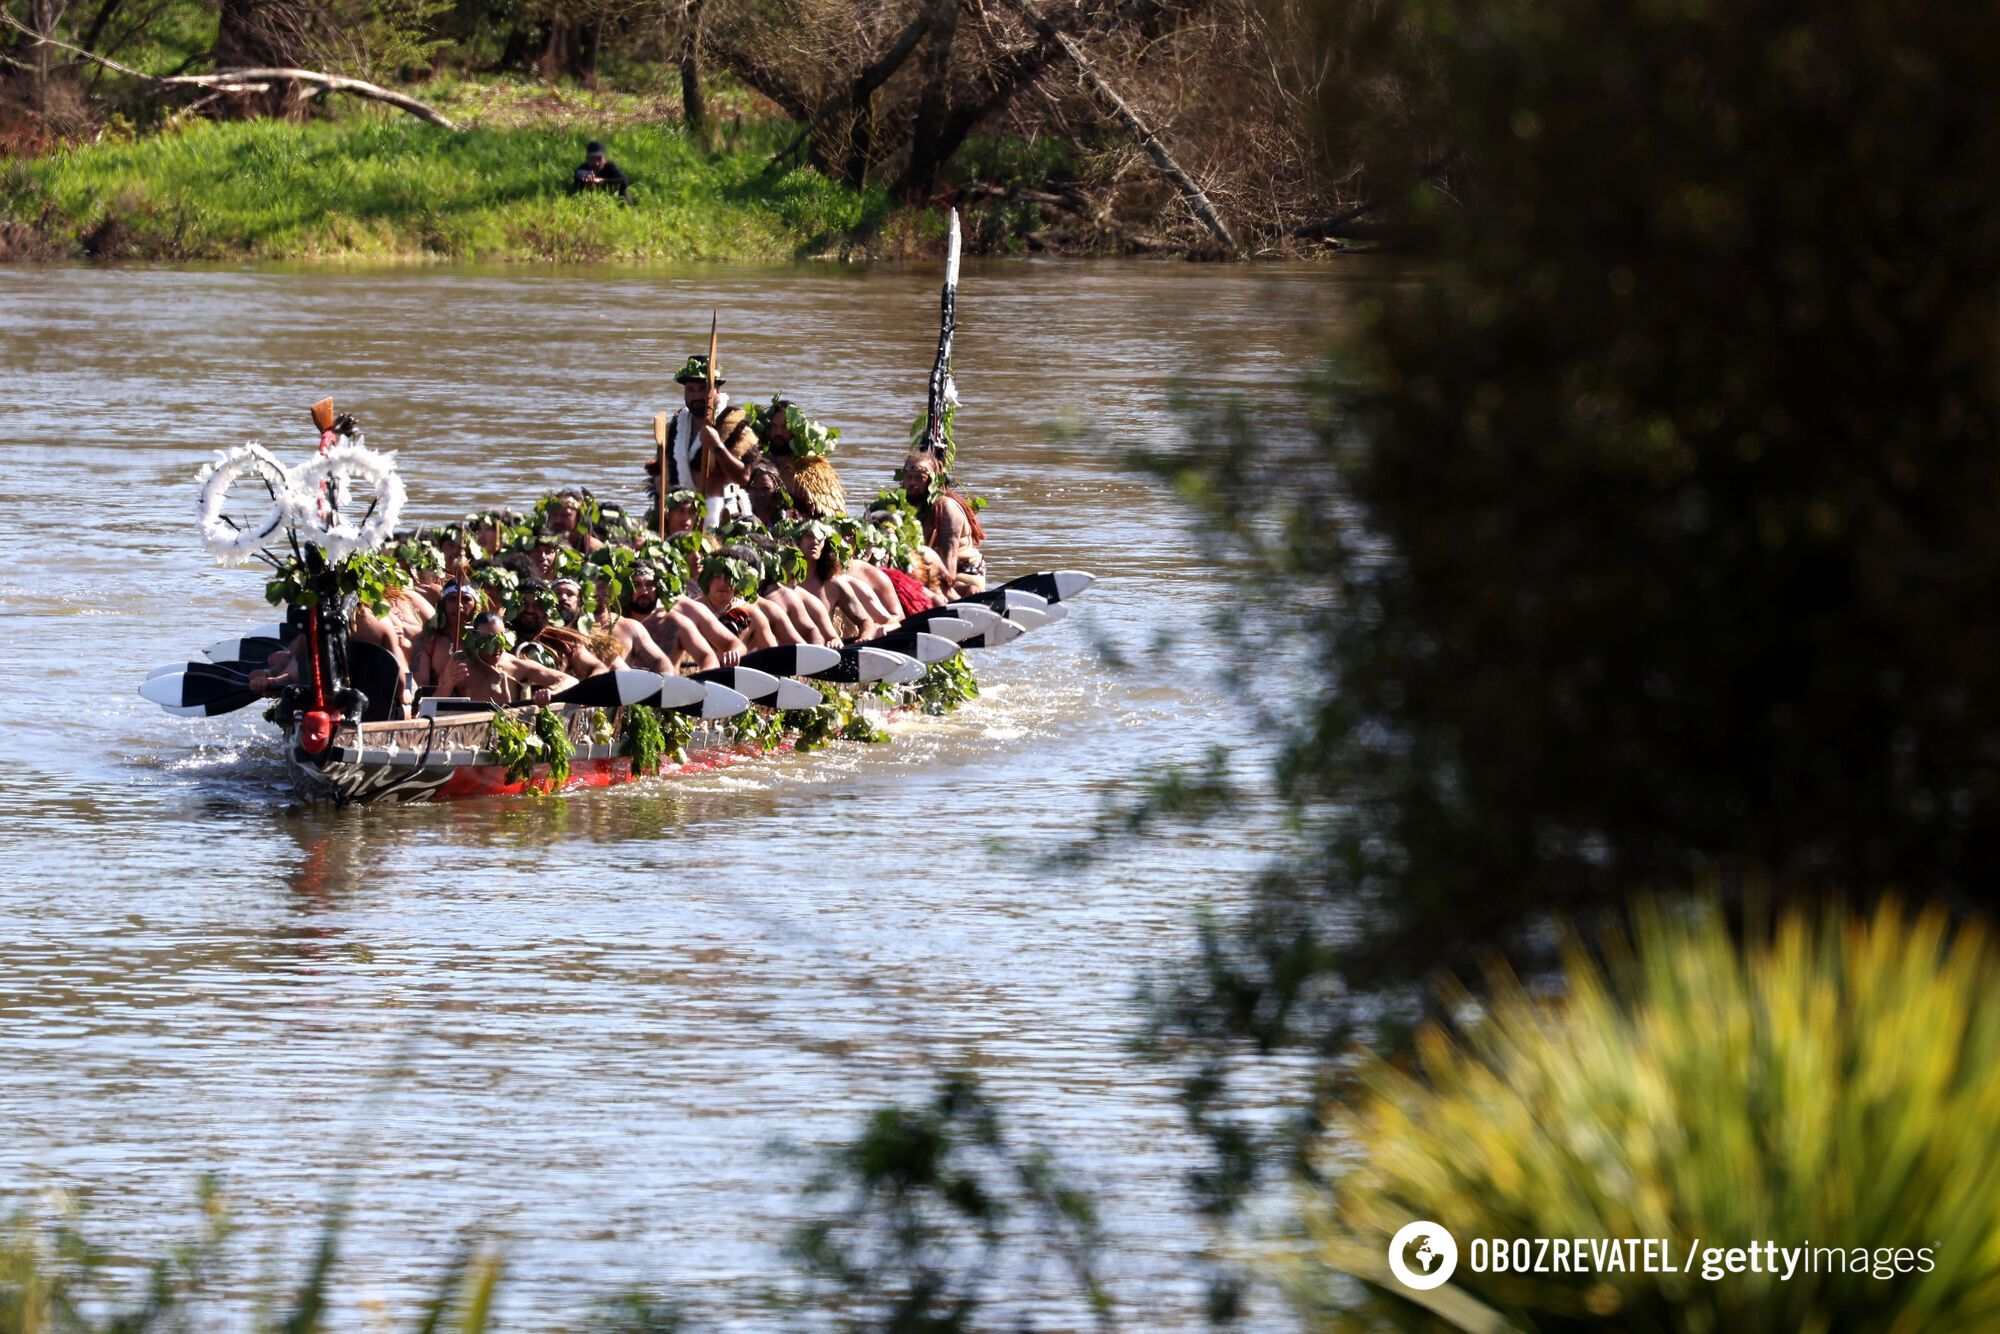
x=608 y=1006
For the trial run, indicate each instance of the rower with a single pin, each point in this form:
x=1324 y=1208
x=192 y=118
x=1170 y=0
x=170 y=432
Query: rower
x=544 y=553
x=862 y=614
x=950 y=527
x=458 y=604
x=683 y=629
x=564 y=516
x=720 y=599
x=683 y=512
x=487 y=672
x=636 y=645
x=794 y=615
x=535 y=608
x=706 y=443
x=569 y=606
x=769 y=501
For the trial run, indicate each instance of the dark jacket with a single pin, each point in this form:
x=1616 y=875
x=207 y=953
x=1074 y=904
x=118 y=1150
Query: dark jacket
x=608 y=178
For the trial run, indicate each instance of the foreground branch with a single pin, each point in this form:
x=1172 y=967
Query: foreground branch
x=234 y=80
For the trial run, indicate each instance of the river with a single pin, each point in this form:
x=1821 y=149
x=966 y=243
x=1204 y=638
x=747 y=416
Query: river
x=583 y=1022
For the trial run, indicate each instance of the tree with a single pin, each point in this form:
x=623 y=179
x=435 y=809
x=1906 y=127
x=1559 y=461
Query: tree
x=1650 y=530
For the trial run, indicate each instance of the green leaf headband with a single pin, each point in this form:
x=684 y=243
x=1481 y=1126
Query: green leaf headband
x=695 y=368
x=480 y=641
x=545 y=598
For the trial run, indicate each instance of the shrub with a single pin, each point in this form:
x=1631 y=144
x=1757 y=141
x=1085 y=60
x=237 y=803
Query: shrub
x=1835 y=1083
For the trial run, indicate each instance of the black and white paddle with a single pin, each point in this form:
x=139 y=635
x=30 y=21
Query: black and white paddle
x=925 y=648
x=257 y=646
x=199 y=694
x=793 y=660
x=1006 y=600
x=1051 y=585
x=762 y=687
x=865 y=666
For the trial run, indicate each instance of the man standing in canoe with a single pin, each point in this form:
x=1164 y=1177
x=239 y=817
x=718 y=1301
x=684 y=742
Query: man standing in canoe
x=706 y=444
x=799 y=447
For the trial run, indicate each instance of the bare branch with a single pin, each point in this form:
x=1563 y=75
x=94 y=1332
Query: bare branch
x=238 y=80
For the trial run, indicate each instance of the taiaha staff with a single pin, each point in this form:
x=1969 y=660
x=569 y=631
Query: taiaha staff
x=942 y=391
x=714 y=317
x=660 y=420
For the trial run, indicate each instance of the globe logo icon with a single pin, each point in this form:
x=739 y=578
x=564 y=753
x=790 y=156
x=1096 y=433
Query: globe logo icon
x=1422 y=1255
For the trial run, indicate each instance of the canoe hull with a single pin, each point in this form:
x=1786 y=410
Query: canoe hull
x=446 y=759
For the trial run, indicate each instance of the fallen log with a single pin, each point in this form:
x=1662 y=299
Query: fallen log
x=239 y=80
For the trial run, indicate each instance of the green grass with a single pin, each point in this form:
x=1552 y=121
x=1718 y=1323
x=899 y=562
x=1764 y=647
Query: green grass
x=1835 y=1083
x=374 y=188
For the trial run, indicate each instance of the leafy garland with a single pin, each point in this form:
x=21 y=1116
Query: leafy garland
x=590 y=514
x=643 y=740
x=514 y=745
x=371 y=578
x=679 y=731
x=652 y=737
x=950 y=443
x=810 y=440
x=894 y=536
x=419 y=556
x=552 y=730
x=836 y=719
x=762 y=728
x=597 y=722
x=946 y=685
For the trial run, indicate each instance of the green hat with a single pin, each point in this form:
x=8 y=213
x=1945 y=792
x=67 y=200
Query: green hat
x=695 y=369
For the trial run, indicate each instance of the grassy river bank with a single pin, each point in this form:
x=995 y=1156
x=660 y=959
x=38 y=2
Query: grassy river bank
x=372 y=188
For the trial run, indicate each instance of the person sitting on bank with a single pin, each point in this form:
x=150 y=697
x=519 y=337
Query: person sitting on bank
x=706 y=445
x=599 y=172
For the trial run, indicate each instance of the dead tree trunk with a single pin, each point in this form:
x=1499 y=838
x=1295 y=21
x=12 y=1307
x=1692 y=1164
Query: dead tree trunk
x=927 y=147
x=859 y=97
x=694 y=106
x=1191 y=193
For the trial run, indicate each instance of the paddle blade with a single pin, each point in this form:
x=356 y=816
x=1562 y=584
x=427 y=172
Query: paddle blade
x=1053 y=585
x=925 y=648
x=982 y=619
x=863 y=666
x=907 y=672
x=719 y=701
x=678 y=692
x=796 y=695
x=192 y=696
x=1029 y=618
x=793 y=659
x=611 y=690
x=237 y=673
x=1055 y=611
x=746 y=681
x=1004 y=633
x=323 y=415
x=257 y=646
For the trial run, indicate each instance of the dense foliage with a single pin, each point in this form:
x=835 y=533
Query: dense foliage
x=913 y=101
x=1649 y=530
x=1834 y=1083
